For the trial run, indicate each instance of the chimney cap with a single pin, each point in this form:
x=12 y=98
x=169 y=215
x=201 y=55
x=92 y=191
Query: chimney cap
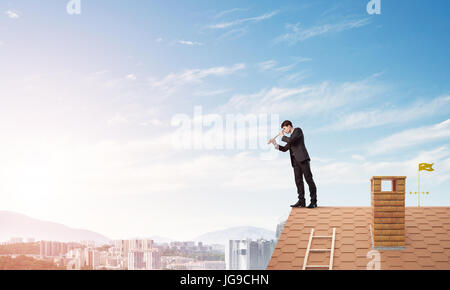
x=388 y=177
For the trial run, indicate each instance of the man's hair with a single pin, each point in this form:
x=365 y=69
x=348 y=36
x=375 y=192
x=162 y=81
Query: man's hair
x=286 y=123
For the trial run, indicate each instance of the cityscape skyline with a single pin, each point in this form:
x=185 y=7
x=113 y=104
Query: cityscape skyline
x=141 y=254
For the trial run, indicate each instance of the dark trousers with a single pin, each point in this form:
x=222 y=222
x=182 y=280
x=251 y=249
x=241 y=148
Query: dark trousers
x=303 y=169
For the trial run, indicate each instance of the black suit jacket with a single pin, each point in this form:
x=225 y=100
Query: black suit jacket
x=296 y=146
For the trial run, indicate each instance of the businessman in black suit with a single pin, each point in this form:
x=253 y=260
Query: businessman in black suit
x=300 y=162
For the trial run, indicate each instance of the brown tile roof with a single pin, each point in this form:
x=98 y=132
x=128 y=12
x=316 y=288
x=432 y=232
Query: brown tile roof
x=427 y=239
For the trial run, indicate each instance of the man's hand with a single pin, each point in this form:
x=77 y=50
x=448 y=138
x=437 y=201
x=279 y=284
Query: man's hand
x=275 y=144
x=271 y=141
x=281 y=133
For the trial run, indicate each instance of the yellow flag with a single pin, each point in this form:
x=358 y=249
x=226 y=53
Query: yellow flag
x=426 y=166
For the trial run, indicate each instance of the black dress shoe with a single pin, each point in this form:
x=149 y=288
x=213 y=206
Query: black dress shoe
x=299 y=204
x=312 y=205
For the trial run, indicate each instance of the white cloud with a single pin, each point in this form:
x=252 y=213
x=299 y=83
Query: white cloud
x=12 y=14
x=159 y=39
x=358 y=157
x=298 y=34
x=266 y=65
x=240 y=29
x=188 y=42
x=272 y=64
x=229 y=11
x=131 y=77
x=285 y=68
x=346 y=172
x=359 y=171
x=171 y=82
x=411 y=137
x=298 y=76
x=303 y=100
x=233 y=34
x=212 y=92
x=383 y=116
x=323 y=160
x=244 y=20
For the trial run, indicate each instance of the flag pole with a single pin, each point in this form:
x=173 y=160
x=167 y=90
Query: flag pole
x=418 y=185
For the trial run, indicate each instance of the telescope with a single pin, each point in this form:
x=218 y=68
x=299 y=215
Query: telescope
x=270 y=141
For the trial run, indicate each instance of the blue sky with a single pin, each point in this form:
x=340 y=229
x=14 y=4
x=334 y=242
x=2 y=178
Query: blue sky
x=87 y=102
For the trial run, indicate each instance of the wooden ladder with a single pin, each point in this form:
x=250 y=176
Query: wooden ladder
x=331 y=250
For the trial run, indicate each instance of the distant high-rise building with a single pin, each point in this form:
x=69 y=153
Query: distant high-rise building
x=45 y=248
x=76 y=259
x=82 y=254
x=95 y=259
x=48 y=248
x=87 y=257
x=42 y=248
x=147 y=244
x=136 y=260
x=113 y=261
x=266 y=249
x=16 y=240
x=236 y=255
x=89 y=244
x=248 y=254
x=253 y=255
x=102 y=258
x=135 y=244
x=53 y=249
x=74 y=264
x=56 y=249
x=189 y=244
x=152 y=259
x=279 y=229
x=122 y=246
x=140 y=244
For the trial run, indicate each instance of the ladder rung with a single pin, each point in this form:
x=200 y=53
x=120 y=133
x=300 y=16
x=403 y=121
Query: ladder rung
x=331 y=250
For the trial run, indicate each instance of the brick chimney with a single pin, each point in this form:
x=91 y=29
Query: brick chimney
x=388 y=211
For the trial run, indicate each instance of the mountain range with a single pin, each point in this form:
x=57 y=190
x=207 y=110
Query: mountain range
x=18 y=225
